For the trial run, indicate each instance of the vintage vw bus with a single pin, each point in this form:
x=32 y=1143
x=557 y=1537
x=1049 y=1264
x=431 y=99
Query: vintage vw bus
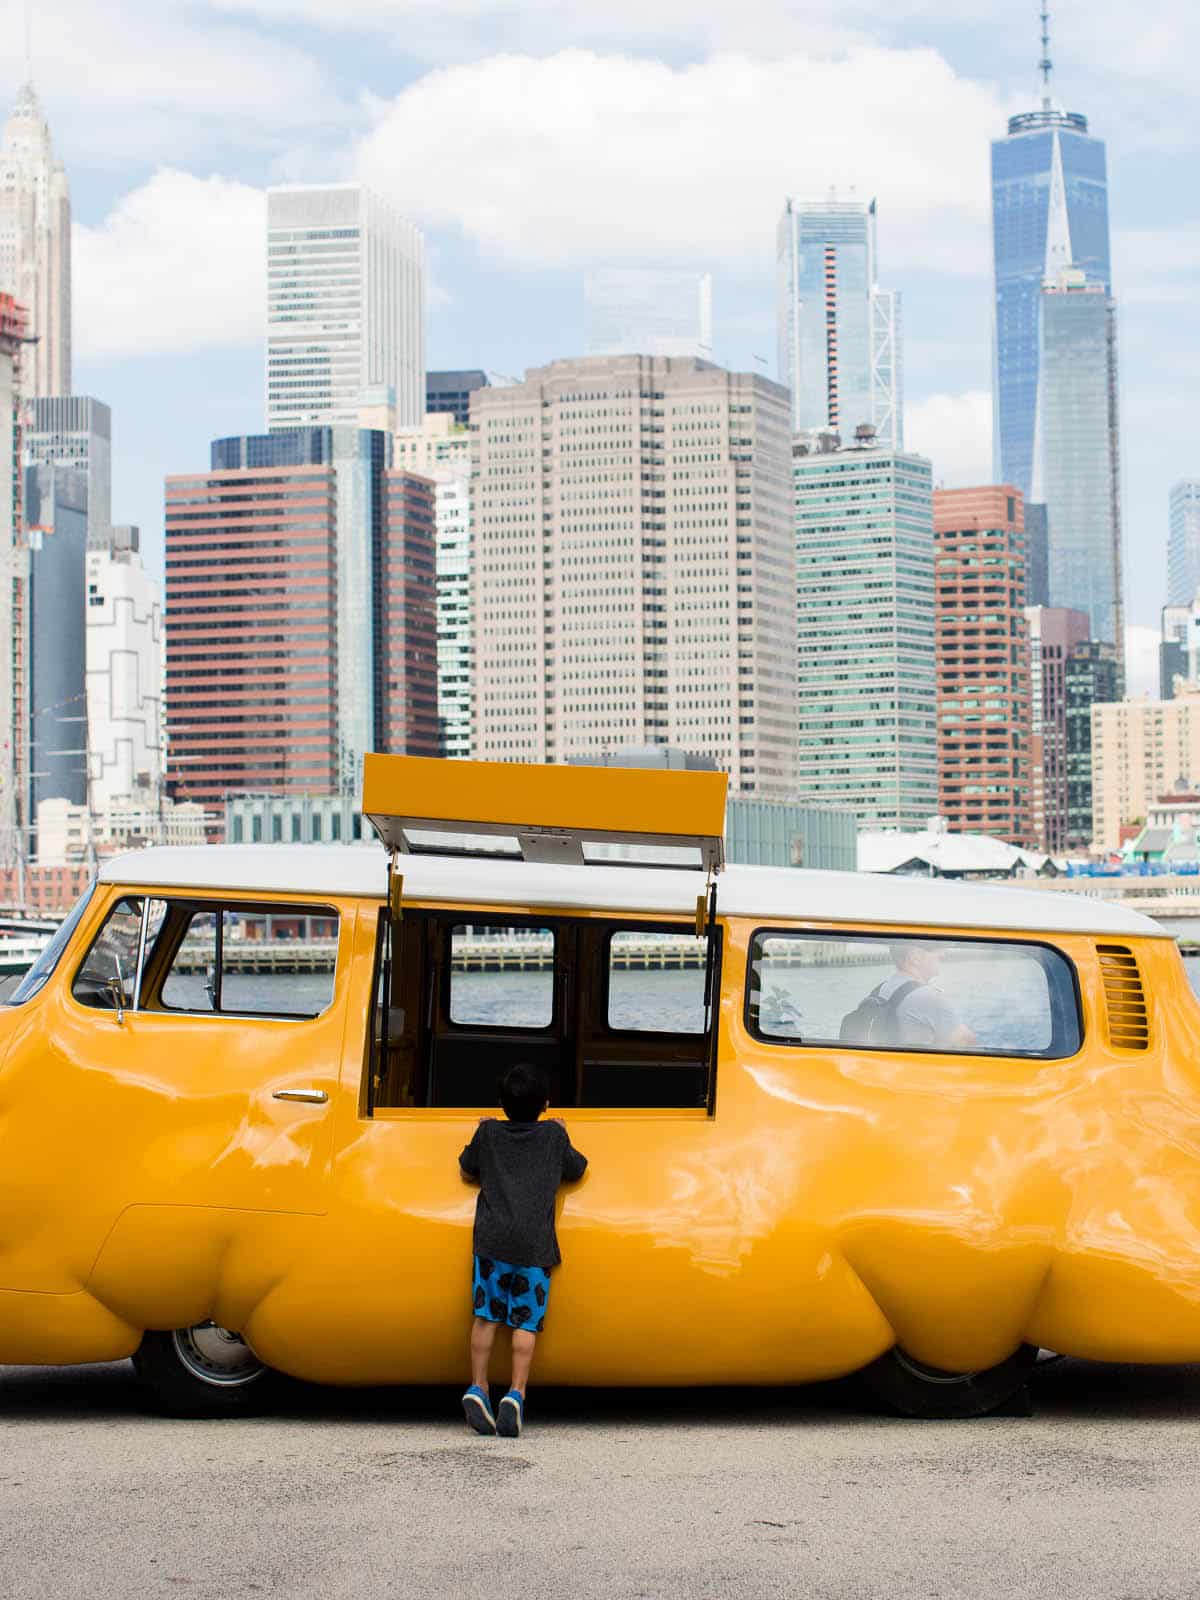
x=234 y=1088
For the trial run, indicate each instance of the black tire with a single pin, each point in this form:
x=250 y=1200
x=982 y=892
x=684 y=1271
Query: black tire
x=184 y=1381
x=913 y=1389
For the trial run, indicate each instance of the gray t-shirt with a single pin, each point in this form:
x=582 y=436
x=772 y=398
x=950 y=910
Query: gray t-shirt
x=519 y=1166
x=924 y=1016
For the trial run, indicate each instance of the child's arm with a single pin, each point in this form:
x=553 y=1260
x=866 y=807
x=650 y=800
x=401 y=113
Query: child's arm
x=574 y=1163
x=468 y=1161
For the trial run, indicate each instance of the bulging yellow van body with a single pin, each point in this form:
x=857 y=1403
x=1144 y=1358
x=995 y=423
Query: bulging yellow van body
x=827 y=1204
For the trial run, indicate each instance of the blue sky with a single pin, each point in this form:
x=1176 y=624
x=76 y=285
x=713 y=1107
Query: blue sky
x=534 y=140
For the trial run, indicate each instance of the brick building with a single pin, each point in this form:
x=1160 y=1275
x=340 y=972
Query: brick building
x=983 y=702
x=301 y=626
x=251 y=631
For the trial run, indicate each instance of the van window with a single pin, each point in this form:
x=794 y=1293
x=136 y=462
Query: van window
x=191 y=980
x=863 y=991
x=108 y=973
x=35 y=979
x=252 y=961
x=613 y=1014
x=655 y=982
x=501 y=977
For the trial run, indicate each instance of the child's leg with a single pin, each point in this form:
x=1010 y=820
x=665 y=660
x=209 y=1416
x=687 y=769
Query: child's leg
x=483 y=1336
x=522 y=1355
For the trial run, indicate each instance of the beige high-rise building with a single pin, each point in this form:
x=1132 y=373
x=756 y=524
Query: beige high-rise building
x=634 y=566
x=1141 y=749
x=35 y=243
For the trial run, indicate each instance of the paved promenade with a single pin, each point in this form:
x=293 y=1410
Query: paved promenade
x=646 y=1495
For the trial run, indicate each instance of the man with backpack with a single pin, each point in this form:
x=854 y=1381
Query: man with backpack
x=905 y=1009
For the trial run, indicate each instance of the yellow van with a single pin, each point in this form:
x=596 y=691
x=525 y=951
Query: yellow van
x=833 y=1122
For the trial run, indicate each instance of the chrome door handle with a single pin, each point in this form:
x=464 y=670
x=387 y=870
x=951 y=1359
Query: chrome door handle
x=316 y=1097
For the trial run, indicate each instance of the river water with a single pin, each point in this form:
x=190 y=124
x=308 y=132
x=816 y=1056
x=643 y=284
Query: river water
x=1000 y=1011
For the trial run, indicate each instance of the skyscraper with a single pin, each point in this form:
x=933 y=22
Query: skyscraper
x=1050 y=241
x=14 y=572
x=76 y=431
x=1093 y=679
x=633 y=566
x=455 y=650
x=1183 y=543
x=252 y=664
x=124 y=675
x=1053 y=634
x=345 y=306
x=35 y=243
x=56 y=525
x=985 y=734
x=865 y=602
x=1049 y=211
x=330 y=650
x=838 y=331
x=647 y=311
x=441 y=451
x=1077 y=473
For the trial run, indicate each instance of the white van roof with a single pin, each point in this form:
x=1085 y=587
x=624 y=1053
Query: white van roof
x=768 y=893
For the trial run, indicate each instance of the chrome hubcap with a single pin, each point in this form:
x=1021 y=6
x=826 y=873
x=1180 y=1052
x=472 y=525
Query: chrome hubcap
x=215 y=1355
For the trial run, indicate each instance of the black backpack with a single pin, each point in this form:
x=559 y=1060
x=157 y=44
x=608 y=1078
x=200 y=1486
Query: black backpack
x=875 y=1020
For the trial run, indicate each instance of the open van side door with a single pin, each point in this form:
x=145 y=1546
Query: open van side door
x=553 y=815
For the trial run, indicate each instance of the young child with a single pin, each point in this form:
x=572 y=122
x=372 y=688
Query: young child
x=518 y=1164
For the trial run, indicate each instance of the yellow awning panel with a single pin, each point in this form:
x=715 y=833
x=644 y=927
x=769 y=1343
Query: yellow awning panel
x=616 y=815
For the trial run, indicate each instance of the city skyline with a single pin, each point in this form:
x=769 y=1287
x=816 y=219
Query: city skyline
x=936 y=252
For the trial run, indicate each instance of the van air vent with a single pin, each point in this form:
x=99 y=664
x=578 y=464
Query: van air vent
x=1124 y=998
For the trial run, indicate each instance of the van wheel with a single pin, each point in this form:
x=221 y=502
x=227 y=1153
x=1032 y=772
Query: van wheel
x=913 y=1389
x=202 y=1371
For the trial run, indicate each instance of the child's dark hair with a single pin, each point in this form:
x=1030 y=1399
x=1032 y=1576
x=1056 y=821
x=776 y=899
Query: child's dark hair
x=524 y=1090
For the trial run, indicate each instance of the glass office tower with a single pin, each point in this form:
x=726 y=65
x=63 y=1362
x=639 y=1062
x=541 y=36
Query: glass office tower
x=866 y=608
x=1049 y=212
x=1055 y=413
x=1183 y=543
x=838 y=332
x=1077 y=472
x=636 y=311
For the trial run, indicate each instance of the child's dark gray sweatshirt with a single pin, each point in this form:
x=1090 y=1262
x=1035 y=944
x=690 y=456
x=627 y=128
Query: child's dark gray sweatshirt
x=519 y=1166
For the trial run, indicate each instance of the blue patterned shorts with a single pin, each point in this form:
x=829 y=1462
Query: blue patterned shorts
x=516 y=1295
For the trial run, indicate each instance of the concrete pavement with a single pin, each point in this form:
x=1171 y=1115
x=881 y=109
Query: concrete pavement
x=630 y=1496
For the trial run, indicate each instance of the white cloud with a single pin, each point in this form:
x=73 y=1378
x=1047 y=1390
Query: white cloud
x=955 y=432
x=133 y=79
x=178 y=264
x=1156 y=266
x=1160 y=48
x=579 y=157
x=1141 y=662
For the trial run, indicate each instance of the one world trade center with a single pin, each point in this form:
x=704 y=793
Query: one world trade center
x=1055 y=414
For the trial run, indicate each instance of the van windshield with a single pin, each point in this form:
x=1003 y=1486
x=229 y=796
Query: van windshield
x=35 y=979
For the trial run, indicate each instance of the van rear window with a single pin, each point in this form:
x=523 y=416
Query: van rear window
x=867 y=992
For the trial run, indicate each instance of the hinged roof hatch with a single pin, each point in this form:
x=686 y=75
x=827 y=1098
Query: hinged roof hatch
x=620 y=816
